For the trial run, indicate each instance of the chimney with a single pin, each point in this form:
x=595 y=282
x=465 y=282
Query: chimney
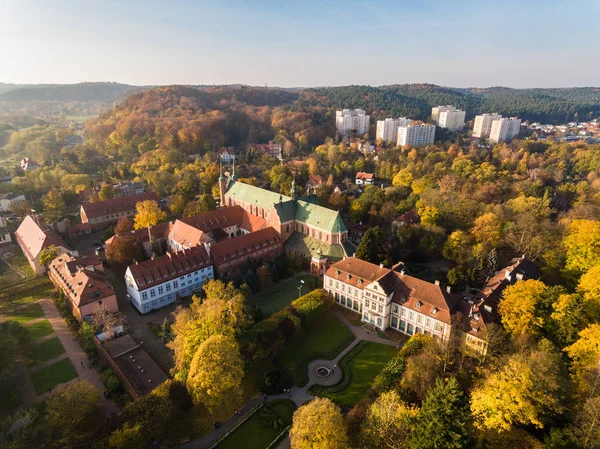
x=437 y=282
x=448 y=289
x=150 y=232
x=381 y=265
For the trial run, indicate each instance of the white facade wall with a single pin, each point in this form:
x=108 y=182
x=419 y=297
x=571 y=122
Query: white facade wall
x=483 y=124
x=449 y=117
x=352 y=120
x=159 y=295
x=416 y=135
x=504 y=130
x=387 y=130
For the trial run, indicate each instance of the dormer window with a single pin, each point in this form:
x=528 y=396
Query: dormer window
x=337 y=272
x=348 y=277
x=419 y=304
x=360 y=281
x=434 y=311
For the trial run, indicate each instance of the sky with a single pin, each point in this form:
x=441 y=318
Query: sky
x=289 y=43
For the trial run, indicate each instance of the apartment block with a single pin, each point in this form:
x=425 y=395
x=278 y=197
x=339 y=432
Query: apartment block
x=505 y=129
x=448 y=117
x=349 y=121
x=483 y=124
x=387 y=130
x=416 y=135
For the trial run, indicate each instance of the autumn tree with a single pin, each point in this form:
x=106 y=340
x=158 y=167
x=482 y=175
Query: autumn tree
x=389 y=422
x=370 y=247
x=20 y=208
x=519 y=308
x=204 y=204
x=582 y=244
x=318 y=425
x=589 y=286
x=129 y=437
x=488 y=230
x=124 y=251
x=585 y=354
x=216 y=374
x=123 y=225
x=48 y=254
x=444 y=420
x=54 y=205
x=107 y=192
x=148 y=214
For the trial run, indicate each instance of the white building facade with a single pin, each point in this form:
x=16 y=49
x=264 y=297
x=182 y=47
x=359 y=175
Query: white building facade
x=387 y=130
x=448 y=117
x=505 y=129
x=416 y=135
x=348 y=121
x=483 y=124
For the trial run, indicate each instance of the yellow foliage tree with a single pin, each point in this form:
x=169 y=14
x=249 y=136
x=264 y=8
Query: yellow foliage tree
x=518 y=309
x=318 y=425
x=589 y=285
x=216 y=374
x=582 y=244
x=488 y=230
x=585 y=353
x=403 y=178
x=428 y=214
x=148 y=214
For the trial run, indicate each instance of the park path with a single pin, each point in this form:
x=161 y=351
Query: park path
x=299 y=395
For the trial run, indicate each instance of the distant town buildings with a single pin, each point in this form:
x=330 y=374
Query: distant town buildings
x=483 y=124
x=274 y=149
x=387 y=130
x=416 y=135
x=351 y=121
x=28 y=164
x=5 y=239
x=103 y=213
x=363 y=178
x=9 y=199
x=448 y=117
x=504 y=129
x=227 y=154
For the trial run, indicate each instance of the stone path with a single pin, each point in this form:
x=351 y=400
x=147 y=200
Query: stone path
x=299 y=395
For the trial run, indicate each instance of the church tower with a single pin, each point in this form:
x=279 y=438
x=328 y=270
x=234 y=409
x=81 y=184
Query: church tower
x=293 y=189
x=222 y=185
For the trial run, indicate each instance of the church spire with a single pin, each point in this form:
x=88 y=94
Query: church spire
x=221 y=178
x=233 y=170
x=293 y=189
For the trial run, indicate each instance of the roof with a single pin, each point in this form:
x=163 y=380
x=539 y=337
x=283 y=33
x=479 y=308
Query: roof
x=84 y=283
x=255 y=195
x=161 y=269
x=78 y=227
x=82 y=262
x=34 y=237
x=309 y=245
x=252 y=223
x=159 y=230
x=357 y=269
x=186 y=235
x=11 y=196
x=116 y=205
x=220 y=218
x=232 y=249
x=319 y=217
x=364 y=175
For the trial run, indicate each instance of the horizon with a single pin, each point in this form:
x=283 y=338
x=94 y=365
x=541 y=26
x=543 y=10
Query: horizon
x=299 y=45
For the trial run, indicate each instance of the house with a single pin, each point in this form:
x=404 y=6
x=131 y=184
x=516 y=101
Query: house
x=185 y=236
x=227 y=155
x=356 y=232
x=273 y=149
x=482 y=309
x=101 y=214
x=148 y=237
x=162 y=280
x=34 y=236
x=230 y=255
x=408 y=218
x=74 y=230
x=340 y=189
x=28 y=164
x=5 y=238
x=128 y=188
x=314 y=182
x=84 y=283
x=388 y=298
x=363 y=178
x=9 y=199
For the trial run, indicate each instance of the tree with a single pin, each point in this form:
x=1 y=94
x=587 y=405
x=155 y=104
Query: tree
x=47 y=255
x=105 y=321
x=148 y=214
x=389 y=422
x=444 y=419
x=216 y=374
x=526 y=390
x=123 y=250
x=68 y=411
x=519 y=309
x=582 y=244
x=589 y=285
x=107 y=192
x=123 y=225
x=129 y=437
x=488 y=230
x=205 y=203
x=585 y=353
x=370 y=247
x=318 y=425
x=177 y=204
x=54 y=206
x=569 y=317
x=20 y=208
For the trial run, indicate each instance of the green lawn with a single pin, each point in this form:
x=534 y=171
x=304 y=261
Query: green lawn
x=17 y=299
x=53 y=375
x=38 y=330
x=10 y=397
x=279 y=296
x=35 y=354
x=28 y=313
x=259 y=431
x=363 y=368
x=324 y=340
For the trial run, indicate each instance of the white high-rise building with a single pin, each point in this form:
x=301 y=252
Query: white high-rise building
x=504 y=129
x=416 y=135
x=483 y=124
x=448 y=117
x=387 y=130
x=348 y=121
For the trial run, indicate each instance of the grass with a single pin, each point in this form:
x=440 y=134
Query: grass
x=38 y=330
x=38 y=353
x=259 y=431
x=353 y=317
x=276 y=298
x=324 y=340
x=17 y=299
x=10 y=397
x=28 y=313
x=363 y=368
x=53 y=375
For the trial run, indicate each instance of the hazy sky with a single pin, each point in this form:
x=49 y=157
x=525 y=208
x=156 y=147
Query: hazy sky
x=302 y=43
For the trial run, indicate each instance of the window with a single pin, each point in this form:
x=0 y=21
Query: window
x=402 y=325
x=343 y=300
x=168 y=286
x=144 y=296
x=380 y=308
x=337 y=297
x=394 y=322
x=337 y=285
x=411 y=315
x=355 y=306
x=343 y=287
x=330 y=282
x=152 y=293
x=395 y=308
x=373 y=306
x=402 y=311
x=379 y=323
x=367 y=303
x=410 y=329
x=419 y=318
x=428 y=322
x=418 y=330
x=160 y=290
x=175 y=284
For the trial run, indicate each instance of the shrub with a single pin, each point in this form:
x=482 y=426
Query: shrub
x=312 y=305
x=390 y=375
x=415 y=345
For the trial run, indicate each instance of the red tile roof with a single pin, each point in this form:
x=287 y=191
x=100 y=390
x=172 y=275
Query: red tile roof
x=114 y=206
x=220 y=218
x=186 y=235
x=364 y=175
x=232 y=249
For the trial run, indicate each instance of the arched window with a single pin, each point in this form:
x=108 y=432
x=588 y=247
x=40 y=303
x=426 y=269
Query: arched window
x=287 y=228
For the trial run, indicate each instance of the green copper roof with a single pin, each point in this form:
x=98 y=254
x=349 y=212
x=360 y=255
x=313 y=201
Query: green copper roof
x=311 y=214
x=312 y=246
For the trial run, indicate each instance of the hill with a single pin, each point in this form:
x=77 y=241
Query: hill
x=68 y=92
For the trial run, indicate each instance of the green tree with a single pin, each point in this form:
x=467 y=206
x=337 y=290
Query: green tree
x=216 y=374
x=370 y=247
x=54 y=206
x=47 y=255
x=107 y=192
x=205 y=203
x=318 y=425
x=129 y=437
x=444 y=420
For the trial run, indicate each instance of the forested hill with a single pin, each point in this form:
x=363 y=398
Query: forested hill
x=416 y=100
x=69 y=92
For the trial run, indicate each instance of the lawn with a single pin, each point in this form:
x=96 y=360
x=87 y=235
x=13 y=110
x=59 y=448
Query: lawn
x=53 y=375
x=10 y=397
x=38 y=330
x=259 y=431
x=279 y=296
x=363 y=368
x=35 y=354
x=324 y=340
x=17 y=299
x=28 y=313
